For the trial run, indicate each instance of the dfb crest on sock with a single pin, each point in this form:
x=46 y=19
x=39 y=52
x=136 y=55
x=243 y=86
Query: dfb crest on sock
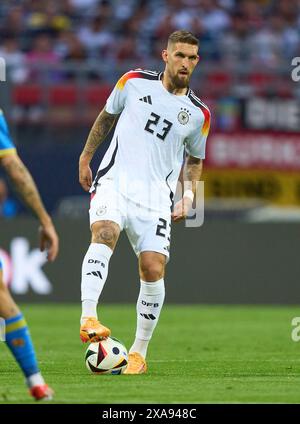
x=148 y=309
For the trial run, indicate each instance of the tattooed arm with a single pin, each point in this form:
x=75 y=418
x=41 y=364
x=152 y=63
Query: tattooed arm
x=192 y=171
x=99 y=131
x=25 y=186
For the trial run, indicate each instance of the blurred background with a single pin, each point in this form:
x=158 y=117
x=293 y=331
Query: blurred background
x=63 y=58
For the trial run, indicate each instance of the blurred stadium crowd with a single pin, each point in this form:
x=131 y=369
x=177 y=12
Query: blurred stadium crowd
x=64 y=56
x=261 y=33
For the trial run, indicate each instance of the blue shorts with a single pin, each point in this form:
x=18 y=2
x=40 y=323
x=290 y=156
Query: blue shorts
x=6 y=144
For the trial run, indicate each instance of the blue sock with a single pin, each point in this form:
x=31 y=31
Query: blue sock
x=19 y=342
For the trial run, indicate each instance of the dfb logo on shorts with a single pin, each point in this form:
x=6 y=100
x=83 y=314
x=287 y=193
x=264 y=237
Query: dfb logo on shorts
x=101 y=211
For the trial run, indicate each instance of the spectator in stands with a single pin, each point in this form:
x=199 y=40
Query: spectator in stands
x=124 y=9
x=83 y=7
x=97 y=38
x=69 y=47
x=252 y=12
x=288 y=10
x=15 y=60
x=178 y=14
x=127 y=50
x=274 y=44
x=165 y=27
x=105 y=10
x=47 y=18
x=13 y=23
x=214 y=19
x=42 y=60
x=235 y=43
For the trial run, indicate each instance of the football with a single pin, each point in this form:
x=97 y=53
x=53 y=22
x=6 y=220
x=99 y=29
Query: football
x=106 y=357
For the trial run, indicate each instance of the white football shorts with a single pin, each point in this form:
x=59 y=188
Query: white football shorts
x=146 y=230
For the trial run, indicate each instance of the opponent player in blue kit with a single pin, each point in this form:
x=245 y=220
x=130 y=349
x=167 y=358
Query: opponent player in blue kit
x=17 y=335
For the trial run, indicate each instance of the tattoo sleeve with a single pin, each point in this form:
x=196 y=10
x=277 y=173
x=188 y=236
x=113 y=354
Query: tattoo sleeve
x=24 y=185
x=99 y=131
x=192 y=172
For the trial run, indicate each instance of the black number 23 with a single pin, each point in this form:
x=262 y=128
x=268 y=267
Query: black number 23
x=154 y=121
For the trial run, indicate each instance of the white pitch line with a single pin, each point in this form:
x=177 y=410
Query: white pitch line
x=233 y=359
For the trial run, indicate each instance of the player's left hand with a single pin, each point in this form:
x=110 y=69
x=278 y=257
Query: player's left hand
x=181 y=209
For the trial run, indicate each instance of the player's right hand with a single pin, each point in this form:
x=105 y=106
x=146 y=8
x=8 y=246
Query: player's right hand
x=85 y=176
x=49 y=240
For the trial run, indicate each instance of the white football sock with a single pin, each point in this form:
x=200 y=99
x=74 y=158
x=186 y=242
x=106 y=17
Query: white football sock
x=89 y=308
x=93 y=276
x=35 y=380
x=149 y=304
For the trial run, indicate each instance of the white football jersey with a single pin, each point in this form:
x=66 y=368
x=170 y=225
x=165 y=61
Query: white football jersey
x=147 y=149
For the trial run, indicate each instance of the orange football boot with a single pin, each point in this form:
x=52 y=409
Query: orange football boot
x=92 y=331
x=136 y=364
x=41 y=392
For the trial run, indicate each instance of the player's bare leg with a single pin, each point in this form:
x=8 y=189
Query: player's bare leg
x=8 y=307
x=19 y=342
x=149 y=305
x=105 y=235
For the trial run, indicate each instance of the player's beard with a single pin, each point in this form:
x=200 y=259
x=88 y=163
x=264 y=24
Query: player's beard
x=180 y=82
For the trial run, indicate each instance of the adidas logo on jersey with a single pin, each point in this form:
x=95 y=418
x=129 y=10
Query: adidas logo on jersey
x=146 y=99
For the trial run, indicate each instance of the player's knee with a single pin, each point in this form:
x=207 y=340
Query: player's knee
x=106 y=233
x=151 y=270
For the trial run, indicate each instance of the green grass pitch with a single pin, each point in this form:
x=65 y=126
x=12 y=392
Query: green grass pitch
x=198 y=354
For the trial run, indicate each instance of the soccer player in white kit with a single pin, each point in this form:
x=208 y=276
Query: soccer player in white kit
x=160 y=120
